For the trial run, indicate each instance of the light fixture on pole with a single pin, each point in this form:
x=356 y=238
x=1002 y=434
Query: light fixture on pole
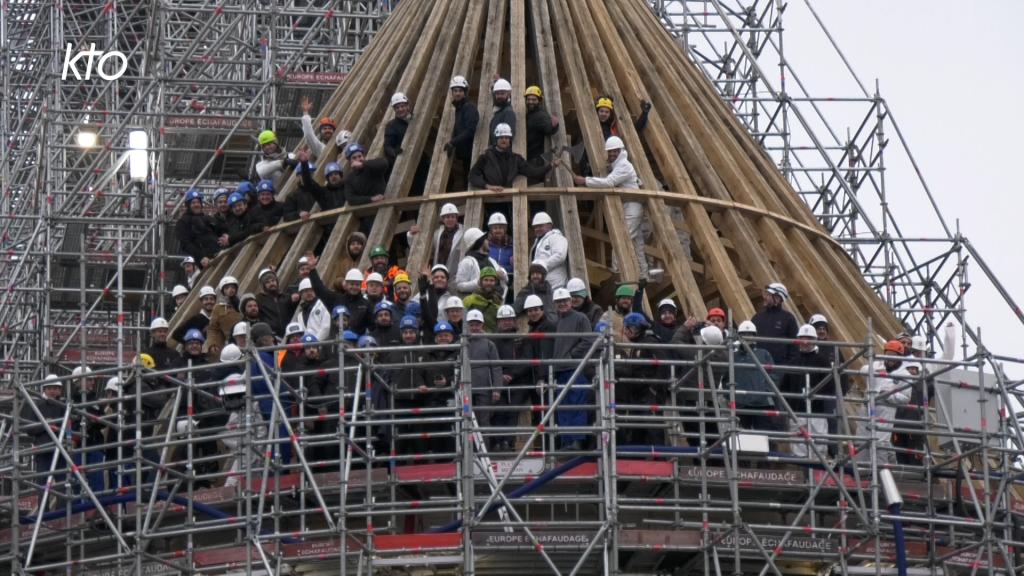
x=86 y=137
x=138 y=155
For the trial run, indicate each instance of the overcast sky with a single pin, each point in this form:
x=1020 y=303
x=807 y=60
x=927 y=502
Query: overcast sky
x=941 y=67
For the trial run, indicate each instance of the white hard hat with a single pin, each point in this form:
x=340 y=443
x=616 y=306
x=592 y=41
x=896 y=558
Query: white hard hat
x=342 y=139
x=51 y=380
x=459 y=82
x=614 y=143
x=113 y=384
x=496 y=218
x=233 y=383
x=305 y=284
x=502 y=130
x=541 y=218
x=303 y=260
x=667 y=302
x=576 y=285
x=908 y=365
x=506 y=311
x=178 y=290
x=747 y=327
x=399 y=98
x=471 y=236
x=266 y=271
x=449 y=208
x=157 y=323
x=79 y=370
x=501 y=85
x=354 y=275
x=207 y=291
x=439 y=267
x=292 y=328
x=919 y=343
x=230 y=353
x=817 y=319
x=807 y=331
x=375 y=277
x=711 y=335
x=225 y=281
x=475 y=316
x=561 y=294
x=532 y=301
x=778 y=289
x=453 y=302
x=240 y=329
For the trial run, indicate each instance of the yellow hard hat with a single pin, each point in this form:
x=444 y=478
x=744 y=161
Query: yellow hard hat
x=605 y=102
x=402 y=277
x=146 y=360
x=533 y=91
x=266 y=137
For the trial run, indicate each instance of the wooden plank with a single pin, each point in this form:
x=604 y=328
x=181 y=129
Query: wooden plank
x=547 y=67
x=441 y=163
x=579 y=89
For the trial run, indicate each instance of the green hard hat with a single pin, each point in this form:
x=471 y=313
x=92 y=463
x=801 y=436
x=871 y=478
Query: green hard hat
x=488 y=272
x=625 y=291
x=379 y=251
x=267 y=137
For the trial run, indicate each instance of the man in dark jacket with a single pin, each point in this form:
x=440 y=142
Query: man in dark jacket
x=52 y=409
x=666 y=324
x=538 y=286
x=394 y=131
x=351 y=298
x=242 y=222
x=270 y=210
x=408 y=384
x=330 y=196
x=498 y=167
x=753 y=389
x=795 y=384
x=501 y=92
x=441 y=382
x=365 y=181
x=276 y=309
x=571 y=347
x=433 y=291
x=514 y=377
x=776 y=322
x=650 y=381
x=460 y=146
x=539 y=124
x=384 y=331
x=581 y=301
x=195 y=230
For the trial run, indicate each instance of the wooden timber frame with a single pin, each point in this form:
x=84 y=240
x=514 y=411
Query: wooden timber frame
x=748 y=226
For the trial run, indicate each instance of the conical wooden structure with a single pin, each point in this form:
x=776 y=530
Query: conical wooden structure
x=747 y=225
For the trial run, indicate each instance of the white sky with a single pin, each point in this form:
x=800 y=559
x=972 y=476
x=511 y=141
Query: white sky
x=941 y=68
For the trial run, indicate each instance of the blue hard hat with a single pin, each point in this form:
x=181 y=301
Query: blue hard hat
x=366 y=341
x=339 y=310
x=443 y=327
x=382 y=306
x=600 y=326
x=298 y=167
x=409 y=323
x=244 y=187
x=221 y=192
x=265 y=186
x=235 y=198
x=353 y=148
x=412 y=309
x=193 y=194
x=331 y=168
x=309 y=339
x=194 y=334
x=350 y=336
x=635 y=320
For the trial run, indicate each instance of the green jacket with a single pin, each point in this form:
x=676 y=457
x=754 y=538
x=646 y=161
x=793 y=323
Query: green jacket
x=488 y=306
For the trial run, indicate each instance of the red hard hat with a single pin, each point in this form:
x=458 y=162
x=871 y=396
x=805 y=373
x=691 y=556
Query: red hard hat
x=326 y=121
x=895 y=347
x=716 y=312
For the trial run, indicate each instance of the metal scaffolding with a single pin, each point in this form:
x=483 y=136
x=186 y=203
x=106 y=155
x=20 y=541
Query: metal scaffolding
x=668 y=479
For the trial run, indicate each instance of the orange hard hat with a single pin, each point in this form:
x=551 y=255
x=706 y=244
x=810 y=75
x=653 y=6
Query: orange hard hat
x=716 y=312
x=895 y=347
x=327 y=121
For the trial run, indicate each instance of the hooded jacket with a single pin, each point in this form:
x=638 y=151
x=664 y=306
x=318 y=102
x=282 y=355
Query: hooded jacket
x=222 y=321
x=503 y=114
x=468 y=277
x=621 y=175
x=350 y=260
x=315 y=318
x=542 y=291
x=241 y=227
x=553 y=250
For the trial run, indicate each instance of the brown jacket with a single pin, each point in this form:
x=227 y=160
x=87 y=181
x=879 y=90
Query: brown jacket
x=218 y=333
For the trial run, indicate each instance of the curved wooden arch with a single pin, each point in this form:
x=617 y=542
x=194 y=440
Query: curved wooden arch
x=748 y=227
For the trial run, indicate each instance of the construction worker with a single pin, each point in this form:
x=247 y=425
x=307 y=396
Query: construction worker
x=499 y=242
x=242 y=222
x=460 y=146
x=326 y=129
x=192 y=271
x=201 y=319
x=581 y=301
x=408 y=383
x=501 y=93
x=433 y=294
x=83 y=389
x=312 y=314
x=606 y=116
x=754 y=393
x=539 y=124
x=351 y=297
x=498 y=166
x=52 y=409
x=365 y=181
x=164 y=356
x=384 y=329
x=575 y=348
x=622 y=174
x=454 y=313
x=666 y=324
x=221 y=208
x=486 y=298
x=537 y=285
x=274 y=160
x=813 y=414
x=538 y=349
x=477 y=258
x=178 y=295
x=401 y=291
x=275 y=307
x=650 y=381
x=447 y=237
x=486 y=380
x=551 y=248
x=331 y=195
x=774 y=321
x=196 y=232
x=441 y=385
x=270 y=210
x=394 y=131
x=380 y=262
x=514 y=377
x=626 y=301
x=889 y=387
